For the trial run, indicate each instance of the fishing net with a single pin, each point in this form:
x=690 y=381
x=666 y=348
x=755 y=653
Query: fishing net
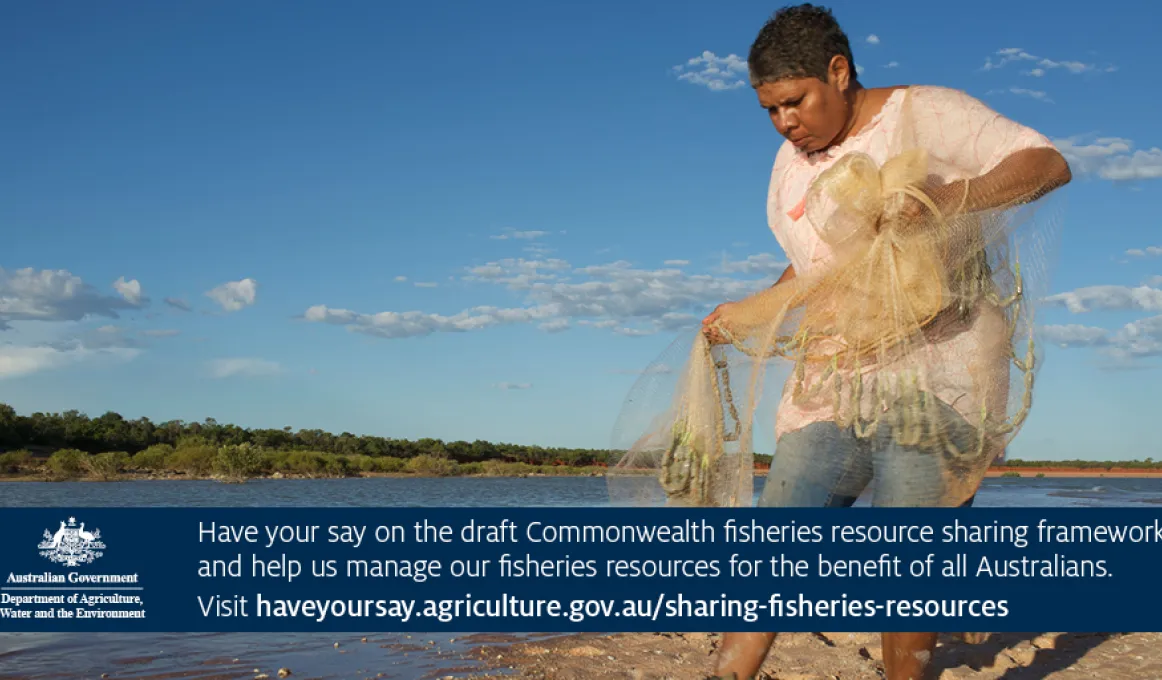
x=913 y=331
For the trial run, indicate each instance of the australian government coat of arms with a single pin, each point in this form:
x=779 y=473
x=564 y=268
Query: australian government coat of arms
x=72 y=545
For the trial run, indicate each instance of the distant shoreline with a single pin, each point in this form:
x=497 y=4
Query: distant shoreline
x=996 y=472
x=1031 y=471
x=180 y=477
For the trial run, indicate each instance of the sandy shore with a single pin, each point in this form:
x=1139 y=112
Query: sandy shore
x=829 y=656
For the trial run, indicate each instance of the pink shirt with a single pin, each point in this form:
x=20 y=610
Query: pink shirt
x=964 y=139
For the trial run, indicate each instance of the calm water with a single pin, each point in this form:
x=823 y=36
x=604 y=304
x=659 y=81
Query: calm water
x=237 y=655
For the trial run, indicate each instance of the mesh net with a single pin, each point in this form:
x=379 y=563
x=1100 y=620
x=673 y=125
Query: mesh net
x=917 y=334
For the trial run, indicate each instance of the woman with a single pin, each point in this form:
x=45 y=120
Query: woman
x=802 y=70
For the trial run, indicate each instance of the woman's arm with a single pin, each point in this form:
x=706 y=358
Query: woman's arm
x=750 y=308
x=1007 y=163
x=1022 y=177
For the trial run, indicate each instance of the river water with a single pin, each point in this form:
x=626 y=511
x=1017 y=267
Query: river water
x=384 y=655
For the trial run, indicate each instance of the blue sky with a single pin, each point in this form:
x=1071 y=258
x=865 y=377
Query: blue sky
x=214 y=209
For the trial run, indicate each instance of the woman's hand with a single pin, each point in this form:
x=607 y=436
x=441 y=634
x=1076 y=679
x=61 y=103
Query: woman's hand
x=720 y=317
x=753 y=313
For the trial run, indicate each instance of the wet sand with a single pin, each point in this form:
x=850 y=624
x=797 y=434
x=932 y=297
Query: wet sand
x=830 y=656
x=246 y=656
x=633 y=656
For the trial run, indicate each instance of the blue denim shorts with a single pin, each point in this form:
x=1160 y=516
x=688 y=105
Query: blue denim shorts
x=822 y=465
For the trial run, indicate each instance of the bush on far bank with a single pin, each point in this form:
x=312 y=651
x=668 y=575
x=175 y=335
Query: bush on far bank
x=14 y=462
x=108 y=465
x=152 y=458
x=67 y=463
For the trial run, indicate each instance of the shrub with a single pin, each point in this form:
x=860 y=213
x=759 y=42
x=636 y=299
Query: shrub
x=238 y=463
x=336 y=466
x=14 y=462
x=390 y=464
x=500 y=468
x=107 y=465
x=308 y=463
x=362 y=463
x=473 y=468
x=67 y=463
x=152 y=458
x=193 y=459
x=431 y=465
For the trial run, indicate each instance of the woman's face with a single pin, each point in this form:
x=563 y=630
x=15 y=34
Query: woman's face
x=807 y=111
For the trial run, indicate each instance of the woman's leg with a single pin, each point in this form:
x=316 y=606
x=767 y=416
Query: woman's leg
x=817 y=466
x=909 y=477
x=906 y=655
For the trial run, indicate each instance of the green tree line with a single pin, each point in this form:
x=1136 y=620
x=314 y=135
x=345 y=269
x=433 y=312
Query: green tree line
x=1147 y=464
x=46 y=432
x=72 y=445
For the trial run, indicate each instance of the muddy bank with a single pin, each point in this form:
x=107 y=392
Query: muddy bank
x=828 y=656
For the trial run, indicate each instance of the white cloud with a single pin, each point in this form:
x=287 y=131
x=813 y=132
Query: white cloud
x=1093 y=298
x=17 y=361
x=103 y=338
x=130 y=290
x=859 y=69
x=20 y=361
x=873 y=39
x=673 y=321
x=416 y=324
x=714 y=72
x=1134 y=340
x=518 y=273
x=1145 y=252
x=1112 y=158
x=761 y=263
x=514 y=386
x=525 y=235
x=52 y=295
x=401 y=278
x=656 y=369
x=1010 y=55
x=107 y=343
x=1039 y=95
x=1140 y=165
x=177 y=303
x=1142 y=338
x=1075 y=335
x=242 y=366
x=892 y=64
x=1034 y=94
x=614 y=296
x=676 y=263
x=634 y=332
x=1036 y=73
x=555 y=326
x=234 y=295
x=425 y=284
x=161 y=333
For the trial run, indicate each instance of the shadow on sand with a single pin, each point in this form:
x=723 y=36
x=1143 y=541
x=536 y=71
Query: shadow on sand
x=1034 y=659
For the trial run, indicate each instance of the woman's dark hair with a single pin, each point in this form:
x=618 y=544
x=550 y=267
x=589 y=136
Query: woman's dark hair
x=798 y=42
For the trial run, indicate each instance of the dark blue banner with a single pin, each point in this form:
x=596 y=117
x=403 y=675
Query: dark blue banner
x=569 y=569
